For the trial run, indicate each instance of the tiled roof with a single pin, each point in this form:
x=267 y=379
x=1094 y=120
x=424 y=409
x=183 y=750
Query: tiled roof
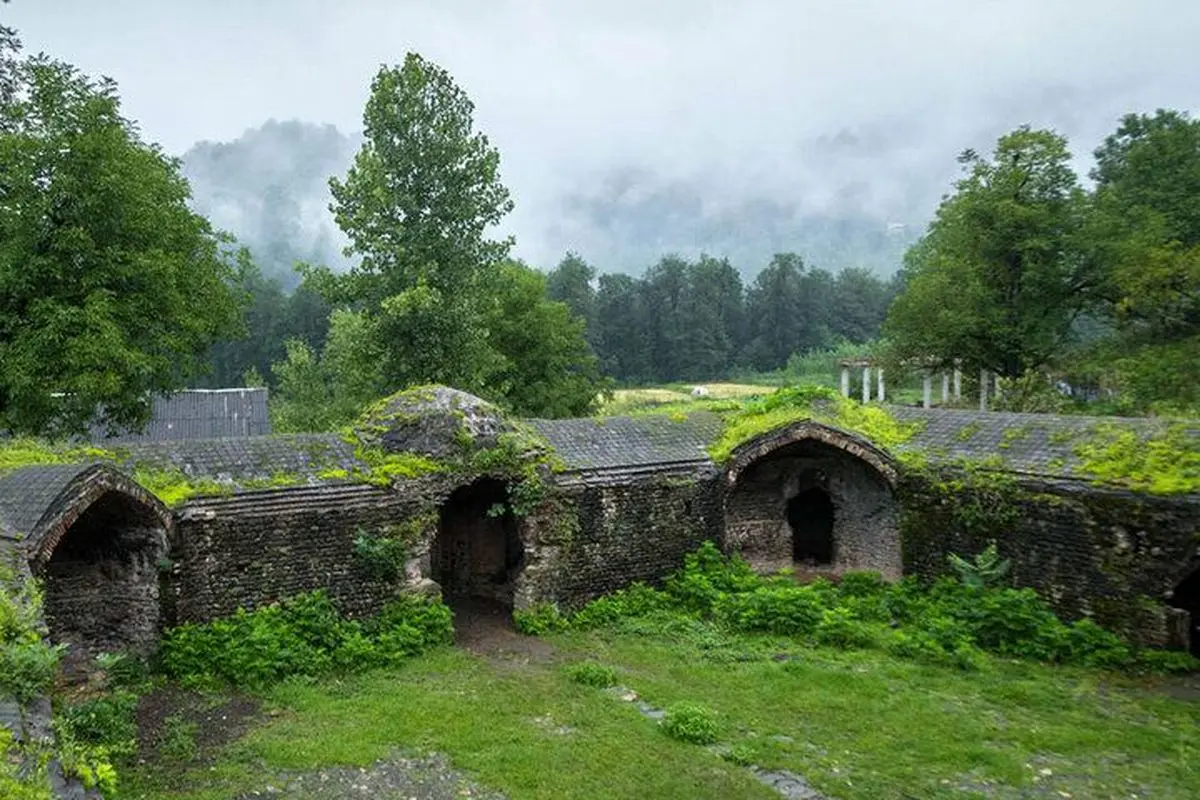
x=301 y=454
x=200 y=414
x=1040 y=444
x=27 y=493
x=636 y=441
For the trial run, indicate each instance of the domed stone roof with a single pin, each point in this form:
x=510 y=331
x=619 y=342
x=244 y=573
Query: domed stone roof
x=433 y=421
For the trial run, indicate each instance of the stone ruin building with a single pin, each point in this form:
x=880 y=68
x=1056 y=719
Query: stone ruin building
x=622 y=499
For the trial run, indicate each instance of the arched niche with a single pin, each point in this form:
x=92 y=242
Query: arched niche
x=97 y=550
x=478 y=552
x=815 y=498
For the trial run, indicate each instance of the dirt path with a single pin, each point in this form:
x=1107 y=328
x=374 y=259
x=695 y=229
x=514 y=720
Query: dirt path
x=485 y=629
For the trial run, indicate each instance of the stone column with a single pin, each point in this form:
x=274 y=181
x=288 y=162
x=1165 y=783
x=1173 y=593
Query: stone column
x=845 y=381
x=983 y=389
x=927 y=394
x=879 y=384
x=866 y=384
x=945 y=387
x=957 y=383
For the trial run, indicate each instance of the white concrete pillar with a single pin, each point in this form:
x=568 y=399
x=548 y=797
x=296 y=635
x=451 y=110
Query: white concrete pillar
x=927 y=395
x=866 y=384
x=845 y=381
x=879 y=384
x=945 y=388
x=983 y=389
x=957 y=383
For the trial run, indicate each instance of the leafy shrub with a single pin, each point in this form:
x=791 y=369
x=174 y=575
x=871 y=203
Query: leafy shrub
x=382 y=557
x=539 y=619
x=305 y=635
x=839 y=628
x=708 y=574
x=107 y=721
x=862 y=584
x=591 y=674
x=635 y=600
x=786 y=610
x=27 y=663
x=1165 y=661
x=691 y=722
x=986 y=570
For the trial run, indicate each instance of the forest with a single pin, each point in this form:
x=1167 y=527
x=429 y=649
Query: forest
x=113 y=287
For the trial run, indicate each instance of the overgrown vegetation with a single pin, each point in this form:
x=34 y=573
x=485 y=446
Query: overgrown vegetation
x=818 y=403
x=953 y=622
x=28 y=666
x=1165 y=463
x=303 y=635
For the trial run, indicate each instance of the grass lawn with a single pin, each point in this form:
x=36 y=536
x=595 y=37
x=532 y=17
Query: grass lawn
x=857 y=724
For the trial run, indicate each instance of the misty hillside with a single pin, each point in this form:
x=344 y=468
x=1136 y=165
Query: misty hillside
x=270 y=188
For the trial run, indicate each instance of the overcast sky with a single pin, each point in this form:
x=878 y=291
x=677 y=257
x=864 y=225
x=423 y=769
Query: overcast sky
x=744 y=96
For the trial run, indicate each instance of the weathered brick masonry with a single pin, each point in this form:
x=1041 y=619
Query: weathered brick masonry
x=1091 y=551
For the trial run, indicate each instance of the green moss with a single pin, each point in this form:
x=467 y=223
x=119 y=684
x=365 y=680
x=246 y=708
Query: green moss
x=817 y=403
x=18 y=453
x=173 y=487
x=1013 y=435
x=1165 y=463
x=967 y=432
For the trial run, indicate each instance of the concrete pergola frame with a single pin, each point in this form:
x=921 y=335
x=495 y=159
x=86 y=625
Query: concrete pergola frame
x=951 y=380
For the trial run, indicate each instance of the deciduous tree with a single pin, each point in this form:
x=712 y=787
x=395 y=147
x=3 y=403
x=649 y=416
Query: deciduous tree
x=111 y=289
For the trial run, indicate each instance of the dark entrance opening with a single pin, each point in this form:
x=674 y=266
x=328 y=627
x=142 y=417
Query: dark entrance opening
x=478 y=551
x=810 y=516
x=1186 y=597
x=102 y=581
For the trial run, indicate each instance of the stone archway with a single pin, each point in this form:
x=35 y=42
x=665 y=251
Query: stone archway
x=814 y=498
x=1186 y=598
x=98 y=551
x=478 y=552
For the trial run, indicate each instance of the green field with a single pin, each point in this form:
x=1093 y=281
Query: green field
x=856 y=724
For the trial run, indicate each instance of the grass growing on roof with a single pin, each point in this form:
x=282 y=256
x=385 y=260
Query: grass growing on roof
x=1167 y=462
x=818 y=403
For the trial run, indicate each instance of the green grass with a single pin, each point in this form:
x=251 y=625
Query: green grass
x=858 y=724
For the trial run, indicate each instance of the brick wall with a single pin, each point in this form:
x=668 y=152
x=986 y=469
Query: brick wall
x=865 y=533
x=1090 y=551
x=634 y=530
x=253 y=549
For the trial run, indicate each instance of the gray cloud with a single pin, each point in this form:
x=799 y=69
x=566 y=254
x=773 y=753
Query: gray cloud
x=831 y=110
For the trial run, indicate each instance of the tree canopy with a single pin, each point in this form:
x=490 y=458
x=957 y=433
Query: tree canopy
x=998 y=280
x=111 y=289
x=416 y=205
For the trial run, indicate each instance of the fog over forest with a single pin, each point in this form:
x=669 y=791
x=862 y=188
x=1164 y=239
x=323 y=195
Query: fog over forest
x=630 y=130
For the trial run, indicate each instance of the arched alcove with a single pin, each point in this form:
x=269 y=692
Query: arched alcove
x=98 y=551
x=815 y=498
x=1186 y=597
x=811 y=517
x=478 y=551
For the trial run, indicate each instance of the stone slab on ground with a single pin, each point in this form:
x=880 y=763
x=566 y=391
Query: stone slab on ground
x=427 y=777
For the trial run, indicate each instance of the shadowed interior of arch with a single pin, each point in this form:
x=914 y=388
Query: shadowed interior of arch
x=478 y=551
x=102 y=580
x=810 y=515
x=1187 y=598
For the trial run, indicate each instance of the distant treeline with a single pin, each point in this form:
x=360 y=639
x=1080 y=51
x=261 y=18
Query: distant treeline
x=680 y=321
x=695 y=320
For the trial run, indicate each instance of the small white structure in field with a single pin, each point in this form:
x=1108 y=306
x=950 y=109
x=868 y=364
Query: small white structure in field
x=700 y=391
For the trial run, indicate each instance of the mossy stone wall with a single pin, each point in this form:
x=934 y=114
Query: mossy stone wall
x=1111 y=554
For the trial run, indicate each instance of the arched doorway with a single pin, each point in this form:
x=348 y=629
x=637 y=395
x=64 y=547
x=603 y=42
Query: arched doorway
x=814 y=499
x=99 y=553
x=1186 y=597
x=478 y=553
x=810 y=516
